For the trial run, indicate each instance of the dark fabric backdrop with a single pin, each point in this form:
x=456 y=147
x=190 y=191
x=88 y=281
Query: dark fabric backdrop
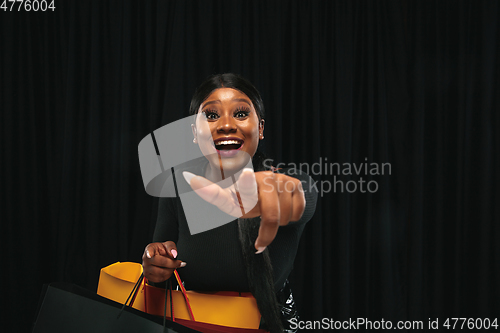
x=410 y=83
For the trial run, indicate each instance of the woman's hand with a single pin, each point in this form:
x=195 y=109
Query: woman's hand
x=158 y=261
x=280 y=200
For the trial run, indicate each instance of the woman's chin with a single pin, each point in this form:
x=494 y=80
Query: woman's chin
x=233 y=161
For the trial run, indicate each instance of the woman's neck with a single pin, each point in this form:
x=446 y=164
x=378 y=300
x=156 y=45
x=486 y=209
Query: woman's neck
x=215 y=174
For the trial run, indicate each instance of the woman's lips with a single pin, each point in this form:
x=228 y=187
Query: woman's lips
x=227 y=142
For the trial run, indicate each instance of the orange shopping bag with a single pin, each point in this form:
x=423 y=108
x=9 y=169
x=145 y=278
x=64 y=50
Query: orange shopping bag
x=117 y=281
x=230 y=309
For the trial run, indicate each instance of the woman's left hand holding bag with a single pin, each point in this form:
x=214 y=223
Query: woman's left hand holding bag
x=158 y=261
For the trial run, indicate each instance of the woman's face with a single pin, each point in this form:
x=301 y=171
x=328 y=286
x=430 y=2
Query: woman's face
x=232 y=128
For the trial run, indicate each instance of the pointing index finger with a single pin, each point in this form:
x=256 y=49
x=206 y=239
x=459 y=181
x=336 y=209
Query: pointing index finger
x=270 y=210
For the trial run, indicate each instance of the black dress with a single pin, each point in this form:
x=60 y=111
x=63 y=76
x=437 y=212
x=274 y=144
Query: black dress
x=214 y=258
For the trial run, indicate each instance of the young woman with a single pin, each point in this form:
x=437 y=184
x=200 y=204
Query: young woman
x=256 y=251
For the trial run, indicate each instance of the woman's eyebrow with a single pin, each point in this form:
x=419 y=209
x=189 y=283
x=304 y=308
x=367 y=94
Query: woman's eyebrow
x=217 y=101
x=211 y=102
x=244 y=100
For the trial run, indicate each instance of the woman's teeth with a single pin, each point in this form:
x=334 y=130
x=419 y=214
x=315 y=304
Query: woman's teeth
x=227 y=142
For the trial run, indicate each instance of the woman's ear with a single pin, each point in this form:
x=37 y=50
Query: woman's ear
x=261 y=129
x=195 y=135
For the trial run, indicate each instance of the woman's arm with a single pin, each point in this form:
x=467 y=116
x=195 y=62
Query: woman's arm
x=158 y=260
x=280 y=199
x=167 y=223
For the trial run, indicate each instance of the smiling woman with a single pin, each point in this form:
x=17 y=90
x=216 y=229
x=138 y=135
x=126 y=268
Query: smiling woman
x=255 y=252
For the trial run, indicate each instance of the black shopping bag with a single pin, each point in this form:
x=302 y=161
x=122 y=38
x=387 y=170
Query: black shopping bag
x=69 y=308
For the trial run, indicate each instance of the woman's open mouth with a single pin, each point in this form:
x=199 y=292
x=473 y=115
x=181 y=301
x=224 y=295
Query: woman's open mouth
x=228 y=147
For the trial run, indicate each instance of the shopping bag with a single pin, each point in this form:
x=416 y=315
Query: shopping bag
x=222 y=308
x=116 y=282
x=69 y=308
x=206 y=312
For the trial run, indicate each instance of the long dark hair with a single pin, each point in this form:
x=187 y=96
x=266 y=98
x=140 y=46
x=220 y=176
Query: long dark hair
x=258 y=267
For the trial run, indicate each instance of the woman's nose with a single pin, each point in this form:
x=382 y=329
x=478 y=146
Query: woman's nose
x=226 y=125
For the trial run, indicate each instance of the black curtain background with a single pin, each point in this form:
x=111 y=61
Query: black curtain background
x=410 y=83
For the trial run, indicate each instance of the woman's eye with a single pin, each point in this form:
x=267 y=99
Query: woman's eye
x=242 y=113
x=211 y=115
